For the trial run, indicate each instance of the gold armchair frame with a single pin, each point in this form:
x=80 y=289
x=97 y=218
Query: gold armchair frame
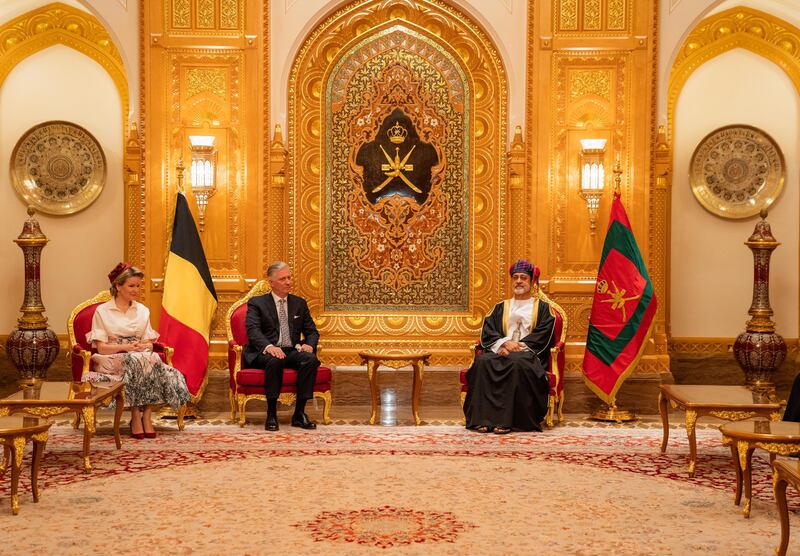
x=555 y=405
x=102 y=297
x=239 y=401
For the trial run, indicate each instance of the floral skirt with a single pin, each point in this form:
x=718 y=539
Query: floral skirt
x=148 y=381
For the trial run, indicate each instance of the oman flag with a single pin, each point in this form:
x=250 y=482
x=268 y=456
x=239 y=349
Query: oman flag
x=189 y=300
x=622 y=311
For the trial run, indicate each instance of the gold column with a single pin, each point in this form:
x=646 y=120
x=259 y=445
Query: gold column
x=134 y=200
x=659 y=263
x=517 y=226
x=275 y=235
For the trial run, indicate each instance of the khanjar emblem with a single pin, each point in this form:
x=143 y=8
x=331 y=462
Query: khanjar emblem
x=397 y=168
x=397 y=162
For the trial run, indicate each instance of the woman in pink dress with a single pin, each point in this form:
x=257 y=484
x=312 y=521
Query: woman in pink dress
x=123 y=339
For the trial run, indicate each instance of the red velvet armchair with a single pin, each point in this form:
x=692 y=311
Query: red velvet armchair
x=80 y=323
x=555 y=375
x=248 y=384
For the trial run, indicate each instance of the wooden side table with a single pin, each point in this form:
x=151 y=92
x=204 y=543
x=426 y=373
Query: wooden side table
x=15 y=433
x=781 y=438
x=46 y=399
x=731 y=403
x=783 y=473
x=395 y=359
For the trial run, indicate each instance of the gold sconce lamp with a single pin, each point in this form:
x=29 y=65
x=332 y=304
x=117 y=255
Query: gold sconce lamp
x=593 y=176
x=203 y=173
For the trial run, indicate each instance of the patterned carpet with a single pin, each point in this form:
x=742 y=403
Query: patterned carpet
x=406 y=490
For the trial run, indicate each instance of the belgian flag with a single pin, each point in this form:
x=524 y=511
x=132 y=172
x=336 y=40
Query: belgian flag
x=189 y=300
x=622 y=310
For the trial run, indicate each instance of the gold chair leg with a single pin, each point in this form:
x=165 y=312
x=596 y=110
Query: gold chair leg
x=232 y=400
x=326 y=406
x=561 y=408
x=551 y=407
x=77 y=422
x=242 y=414
x=181 y=414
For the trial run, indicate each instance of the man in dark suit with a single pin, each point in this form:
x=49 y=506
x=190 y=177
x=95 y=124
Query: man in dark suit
x=281 y=334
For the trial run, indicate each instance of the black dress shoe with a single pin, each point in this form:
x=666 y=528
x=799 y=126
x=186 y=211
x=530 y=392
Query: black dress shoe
x=303 y=422
x=272 y=423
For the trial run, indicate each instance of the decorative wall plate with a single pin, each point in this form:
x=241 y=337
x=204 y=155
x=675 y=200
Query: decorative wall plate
x=58 y=167
x=736 y=171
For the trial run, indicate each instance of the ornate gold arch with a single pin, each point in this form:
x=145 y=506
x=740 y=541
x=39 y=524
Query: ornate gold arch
x=446 y=334
x=739 y=27
x=58 y=23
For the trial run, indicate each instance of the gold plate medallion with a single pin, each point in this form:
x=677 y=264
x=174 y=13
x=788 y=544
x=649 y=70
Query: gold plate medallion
x=736 y=171
x=58 y=167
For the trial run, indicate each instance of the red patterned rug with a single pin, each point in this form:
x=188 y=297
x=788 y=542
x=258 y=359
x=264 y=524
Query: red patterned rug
x=360 y=489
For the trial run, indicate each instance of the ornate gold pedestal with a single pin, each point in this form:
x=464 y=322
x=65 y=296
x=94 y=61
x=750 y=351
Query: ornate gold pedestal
x=613 y=413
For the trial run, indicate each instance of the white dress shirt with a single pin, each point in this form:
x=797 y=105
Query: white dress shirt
x=520 y=314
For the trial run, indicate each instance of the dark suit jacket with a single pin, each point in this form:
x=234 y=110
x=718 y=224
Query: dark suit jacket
x=263 y=327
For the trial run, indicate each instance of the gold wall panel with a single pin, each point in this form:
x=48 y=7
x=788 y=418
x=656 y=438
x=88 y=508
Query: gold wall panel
x=591 y=74
x=181 y=14
x=431 y=31
x=223 y=18
x=217 y=112
x=593 y=17
x=588 y=103
x=195 y=85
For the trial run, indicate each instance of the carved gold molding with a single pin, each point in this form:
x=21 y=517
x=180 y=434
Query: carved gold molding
x=218 y=18
x=448 y=335
x=58 y=23
x=578 y=18
x=717 y=346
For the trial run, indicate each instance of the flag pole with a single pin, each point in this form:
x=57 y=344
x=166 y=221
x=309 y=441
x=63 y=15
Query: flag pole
x=190 y=410
x=610 y=411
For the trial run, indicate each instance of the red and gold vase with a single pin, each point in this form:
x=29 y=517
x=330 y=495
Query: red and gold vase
x=760 y=350
x=32 y=346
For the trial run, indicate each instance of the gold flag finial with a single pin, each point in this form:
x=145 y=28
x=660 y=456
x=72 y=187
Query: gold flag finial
x=179 y=169
x=617 y=176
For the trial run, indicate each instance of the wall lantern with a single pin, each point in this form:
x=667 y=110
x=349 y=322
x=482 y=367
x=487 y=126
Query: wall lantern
x=203 y=173
x=593 y=176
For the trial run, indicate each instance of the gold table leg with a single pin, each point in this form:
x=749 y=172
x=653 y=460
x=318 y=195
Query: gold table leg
x=372 y=375
x=89 y=427
x=38 y=451
x=6 y=459
x=737 y=497
x=119 y=405
x=663 y=409
x=746 y=463
x=779 y=490
x=416 y=390
x=17 y=451
x=691 y=421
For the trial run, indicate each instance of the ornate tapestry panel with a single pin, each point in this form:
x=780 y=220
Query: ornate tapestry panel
x=397 y=181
